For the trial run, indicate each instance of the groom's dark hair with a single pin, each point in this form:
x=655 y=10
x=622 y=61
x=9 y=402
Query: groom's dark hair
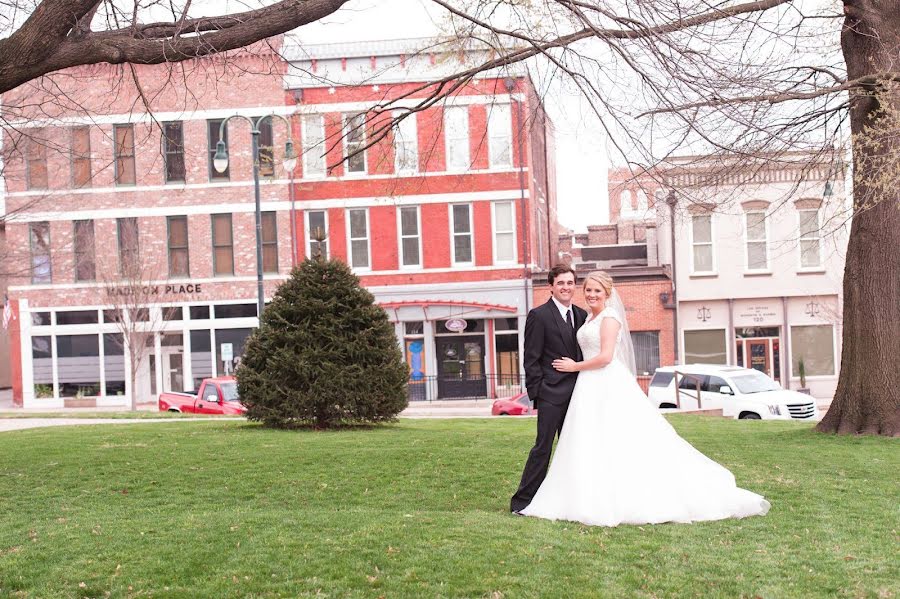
x=558 y=270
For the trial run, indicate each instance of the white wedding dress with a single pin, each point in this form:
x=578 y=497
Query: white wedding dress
x=618 y=461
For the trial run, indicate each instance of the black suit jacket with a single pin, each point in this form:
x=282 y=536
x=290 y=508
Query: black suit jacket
x=548 y=337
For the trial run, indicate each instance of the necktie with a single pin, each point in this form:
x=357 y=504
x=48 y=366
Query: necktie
x=569 y=318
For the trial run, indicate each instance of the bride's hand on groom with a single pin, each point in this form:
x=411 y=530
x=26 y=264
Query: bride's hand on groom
x=565 y=365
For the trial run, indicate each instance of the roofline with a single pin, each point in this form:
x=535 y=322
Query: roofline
x=293 y=48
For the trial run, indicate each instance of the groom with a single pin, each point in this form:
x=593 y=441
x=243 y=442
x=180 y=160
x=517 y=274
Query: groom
x=549 y=334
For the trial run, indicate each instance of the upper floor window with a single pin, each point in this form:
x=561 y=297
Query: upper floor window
x=81 y=156
x=504 y=232
x=358 y=237
x=36 y=163
x=462 y=233
x=810 y=239
x=40 y=252
x=129 y=247
x=625 y=207
x=270 y=241
x=702 y=243
x=641 y=202
x=410 y=237
x=213 y=126
x=173 y=151
x=406 y=145
x=123 y=150
x=223 y=245
x=757 y=251
x=355 y=141
x=85 y=262
x=317 y=233
x=313 y=145
x=500 y=134
x=179 y=257
x=266 y=148
x=456 y=127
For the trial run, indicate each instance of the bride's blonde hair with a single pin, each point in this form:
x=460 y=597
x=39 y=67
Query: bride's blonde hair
x=603 y=278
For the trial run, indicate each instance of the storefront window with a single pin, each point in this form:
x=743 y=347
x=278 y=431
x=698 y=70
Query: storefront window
x=235 y=310
x=815 y=346
x=506 y=324
x=646 y=351
x=507 y=345
x=114 y=363
x=748 y=332
x=201 y=355
x=78 y=365
x=201 y=312
x=76 y=317
x=42 y=366
x=705 y=347
x=172 y=313
x=414 y=348
x=40 y=318
x=237 y=338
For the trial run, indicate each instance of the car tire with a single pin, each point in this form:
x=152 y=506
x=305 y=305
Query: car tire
x=749 y=416
x=503 y=414
x=667 y=405
x=174 y=410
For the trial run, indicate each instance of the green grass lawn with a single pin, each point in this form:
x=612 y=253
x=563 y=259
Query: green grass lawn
x=419 y=509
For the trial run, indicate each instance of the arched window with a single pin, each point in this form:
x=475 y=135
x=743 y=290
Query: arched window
x=641 y=201
x=625 y=206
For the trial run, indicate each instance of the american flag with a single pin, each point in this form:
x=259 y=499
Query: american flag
x=7 y=312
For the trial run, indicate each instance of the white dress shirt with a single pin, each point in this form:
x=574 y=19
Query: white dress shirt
x=563 y=309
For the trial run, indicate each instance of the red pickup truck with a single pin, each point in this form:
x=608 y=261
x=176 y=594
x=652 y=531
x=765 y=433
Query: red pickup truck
x=216 y=396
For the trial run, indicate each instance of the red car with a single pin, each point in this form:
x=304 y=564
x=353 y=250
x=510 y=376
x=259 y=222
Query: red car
x=517 y=405
x=216 y=396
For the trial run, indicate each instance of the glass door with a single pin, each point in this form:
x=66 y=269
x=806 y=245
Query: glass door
x=461 y=366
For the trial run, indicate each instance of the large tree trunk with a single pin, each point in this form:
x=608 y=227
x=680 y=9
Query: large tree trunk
x=868 y=392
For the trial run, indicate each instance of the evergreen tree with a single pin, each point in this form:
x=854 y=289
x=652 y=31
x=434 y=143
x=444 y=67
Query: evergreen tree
x=324 y=354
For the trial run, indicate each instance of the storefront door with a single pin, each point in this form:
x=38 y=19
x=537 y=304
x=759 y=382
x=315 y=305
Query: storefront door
x=760 y=349
x=461 y=366
x=173 y=369
x=759 y=355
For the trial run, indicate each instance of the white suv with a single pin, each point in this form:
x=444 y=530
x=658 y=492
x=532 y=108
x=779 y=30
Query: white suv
x=738 y=392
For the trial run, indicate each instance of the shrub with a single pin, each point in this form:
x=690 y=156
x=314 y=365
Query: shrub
x=324 y=355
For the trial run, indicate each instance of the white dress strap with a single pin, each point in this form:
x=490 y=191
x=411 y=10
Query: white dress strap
x=611 y=313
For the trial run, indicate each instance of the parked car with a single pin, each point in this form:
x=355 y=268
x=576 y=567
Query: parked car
x=739 y=392
x=517 y=405
x=216 y=396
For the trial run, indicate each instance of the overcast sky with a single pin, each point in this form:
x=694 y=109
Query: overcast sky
x=580 y=154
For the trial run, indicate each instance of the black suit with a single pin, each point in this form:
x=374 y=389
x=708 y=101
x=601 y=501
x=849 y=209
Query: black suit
x=547 y=337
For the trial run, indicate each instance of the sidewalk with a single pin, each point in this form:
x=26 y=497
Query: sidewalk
x=478 y=408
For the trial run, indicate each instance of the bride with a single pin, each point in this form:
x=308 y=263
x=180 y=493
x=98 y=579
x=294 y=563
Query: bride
x=618 y=461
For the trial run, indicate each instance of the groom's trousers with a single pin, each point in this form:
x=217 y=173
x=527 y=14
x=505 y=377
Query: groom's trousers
x=549 y=424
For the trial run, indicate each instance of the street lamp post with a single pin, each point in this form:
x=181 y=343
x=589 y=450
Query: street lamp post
x=672 y=201
x=220 y=163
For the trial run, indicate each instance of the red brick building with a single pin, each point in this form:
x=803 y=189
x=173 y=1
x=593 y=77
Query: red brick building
x=109 y=203
x=444 y=217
